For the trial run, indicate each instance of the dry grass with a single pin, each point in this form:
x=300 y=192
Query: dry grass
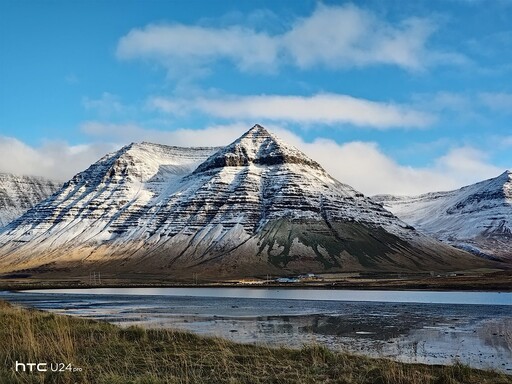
x=109 y=354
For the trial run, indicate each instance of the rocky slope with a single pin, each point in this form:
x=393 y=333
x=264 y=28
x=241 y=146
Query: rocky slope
x=255 y=206
x=477 y=217
x=20 y=193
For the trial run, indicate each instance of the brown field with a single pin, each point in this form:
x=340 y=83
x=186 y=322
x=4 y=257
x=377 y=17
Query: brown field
x=479 y=280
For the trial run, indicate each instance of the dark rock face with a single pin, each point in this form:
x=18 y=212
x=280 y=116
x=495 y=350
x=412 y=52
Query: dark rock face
x=258 y=147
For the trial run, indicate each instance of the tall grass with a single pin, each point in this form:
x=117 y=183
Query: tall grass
x=109 y=354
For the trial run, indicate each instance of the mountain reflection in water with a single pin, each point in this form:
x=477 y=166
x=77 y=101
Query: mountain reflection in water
x=474 y=334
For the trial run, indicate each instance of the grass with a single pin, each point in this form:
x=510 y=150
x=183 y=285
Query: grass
x=110 y=354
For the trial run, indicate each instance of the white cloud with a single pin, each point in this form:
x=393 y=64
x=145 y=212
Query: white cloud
x=213 y=136
x=170 y=43
x=332 y=37
x=500 y=101
x=54 y=159
x=445 y=101
x=321 y=108
x=364 y=166
x=107 y=104
x=506 y=141
x=350 y=36
x=466 y=163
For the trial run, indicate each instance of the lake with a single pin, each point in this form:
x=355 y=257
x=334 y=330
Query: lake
x=418 y=326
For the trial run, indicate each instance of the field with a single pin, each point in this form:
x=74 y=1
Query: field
x=95 y=352
x=480 y=280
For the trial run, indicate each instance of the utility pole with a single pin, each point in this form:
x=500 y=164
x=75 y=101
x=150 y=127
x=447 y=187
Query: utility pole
x=94 y=278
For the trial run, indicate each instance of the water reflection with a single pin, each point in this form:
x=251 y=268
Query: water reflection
x=479 y=335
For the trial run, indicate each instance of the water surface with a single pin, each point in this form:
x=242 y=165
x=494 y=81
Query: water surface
x=432 y=327
x=484 y=298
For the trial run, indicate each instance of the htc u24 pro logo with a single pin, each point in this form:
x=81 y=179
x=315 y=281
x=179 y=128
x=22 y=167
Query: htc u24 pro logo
x=45 y=367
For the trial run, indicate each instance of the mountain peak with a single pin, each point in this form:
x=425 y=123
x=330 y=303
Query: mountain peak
x=505 y=176
x=501 y=185
x=259 y=147
x=257 y=130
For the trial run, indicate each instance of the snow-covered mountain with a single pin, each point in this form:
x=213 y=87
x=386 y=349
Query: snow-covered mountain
x=255 y=206
x=19 y=193
x=477 y=217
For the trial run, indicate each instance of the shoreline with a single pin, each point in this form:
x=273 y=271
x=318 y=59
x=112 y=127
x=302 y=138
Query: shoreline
x=469 y=281
x=357 y=286
x=491 y=281
x=427 y=331
x=168 y=355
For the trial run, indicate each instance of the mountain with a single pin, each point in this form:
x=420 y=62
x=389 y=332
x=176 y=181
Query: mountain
x=19 y=193
x=477 y=218
x=255 y=206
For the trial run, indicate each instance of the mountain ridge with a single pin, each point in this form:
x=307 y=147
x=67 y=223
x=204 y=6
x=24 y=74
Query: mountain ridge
x=18 y=193
x=476 y=217
x=255 y=206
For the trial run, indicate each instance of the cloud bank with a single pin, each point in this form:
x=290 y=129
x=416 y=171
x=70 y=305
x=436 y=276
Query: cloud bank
x=317 y=109
x=55 y=160
x=364 y=166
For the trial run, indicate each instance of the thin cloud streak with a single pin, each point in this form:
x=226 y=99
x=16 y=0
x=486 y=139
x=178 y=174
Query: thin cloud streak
x=317 y=109
x=499 y=101
x=213 y=136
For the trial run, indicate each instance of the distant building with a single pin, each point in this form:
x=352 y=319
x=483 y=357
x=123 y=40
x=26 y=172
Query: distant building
x=309 y=276
x=287 y=280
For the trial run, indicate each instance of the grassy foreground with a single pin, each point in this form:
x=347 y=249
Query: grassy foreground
x=104 y=353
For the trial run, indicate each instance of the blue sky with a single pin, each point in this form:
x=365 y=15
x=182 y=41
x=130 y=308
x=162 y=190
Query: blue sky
x=389 y=96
